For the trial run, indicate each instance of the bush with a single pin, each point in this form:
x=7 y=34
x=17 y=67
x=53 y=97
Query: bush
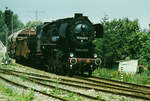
x=123 y=39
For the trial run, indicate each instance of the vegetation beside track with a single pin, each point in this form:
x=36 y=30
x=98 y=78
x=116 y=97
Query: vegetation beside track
x=12 y=95
x=142 y=78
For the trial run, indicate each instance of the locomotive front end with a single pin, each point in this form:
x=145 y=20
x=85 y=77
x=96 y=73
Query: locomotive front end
x=81 y=34
x=82 y=64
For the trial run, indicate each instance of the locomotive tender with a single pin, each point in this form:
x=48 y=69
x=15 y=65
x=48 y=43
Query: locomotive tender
x=65 y=45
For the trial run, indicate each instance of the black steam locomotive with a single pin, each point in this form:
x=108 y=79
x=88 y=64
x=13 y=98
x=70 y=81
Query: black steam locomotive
x=66 y=44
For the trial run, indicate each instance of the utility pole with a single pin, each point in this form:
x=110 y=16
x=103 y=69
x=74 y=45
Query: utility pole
x=12 y=27
x=37 y=14
x=7 y=20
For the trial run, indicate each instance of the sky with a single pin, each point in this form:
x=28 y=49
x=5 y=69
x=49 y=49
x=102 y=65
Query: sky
x=48 y=10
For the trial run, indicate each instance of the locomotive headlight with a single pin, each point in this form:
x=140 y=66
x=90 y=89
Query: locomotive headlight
x=71 y=54
x=95 y=55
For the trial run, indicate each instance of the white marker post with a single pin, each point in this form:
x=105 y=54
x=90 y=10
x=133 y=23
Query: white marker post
x=121 y=73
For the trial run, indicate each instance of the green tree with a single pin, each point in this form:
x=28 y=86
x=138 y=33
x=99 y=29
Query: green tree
x=123 y=39
x=143 y=51
x=120 y=39
x=15 y=24
x=2 y=27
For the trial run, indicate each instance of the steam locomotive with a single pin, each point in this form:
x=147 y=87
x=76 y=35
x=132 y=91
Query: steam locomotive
x=64 y=45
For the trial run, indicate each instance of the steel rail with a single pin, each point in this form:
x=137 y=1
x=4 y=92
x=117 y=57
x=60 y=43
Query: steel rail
x=90 y=85
x=117 y=83
x=35 y=90
x=51 y=86
x=121 y=82
x=136 y=94
x=97 y=83
x=133 y=94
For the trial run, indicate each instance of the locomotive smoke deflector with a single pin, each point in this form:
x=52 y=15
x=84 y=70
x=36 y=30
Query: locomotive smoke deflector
x=99 y=30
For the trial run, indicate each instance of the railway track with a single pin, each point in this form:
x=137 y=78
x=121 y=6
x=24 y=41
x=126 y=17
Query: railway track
x=92 y=83
x=38 y=81
x=116 y=83
x=96 y=80
x=35 y=90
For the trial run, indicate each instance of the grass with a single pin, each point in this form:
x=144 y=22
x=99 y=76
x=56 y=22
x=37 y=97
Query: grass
x=143 y=78
x=100 y=98
x=4 y=66
x=66 y=95
x=73 y=97
x=9 y=66
x=124 y=99
x=12 y=95
x=56 y=91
